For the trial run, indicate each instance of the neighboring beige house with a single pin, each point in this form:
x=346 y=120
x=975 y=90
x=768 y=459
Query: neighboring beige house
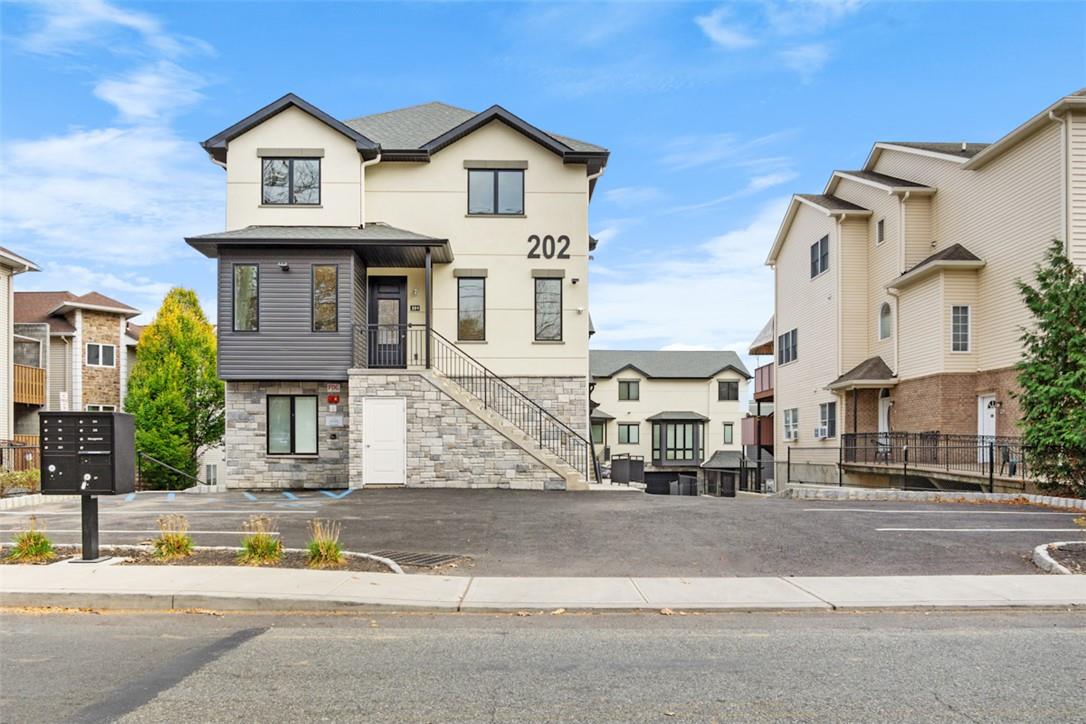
x=16 y=383
x=82 y=343
x=896 y=308
x=680 y=411
x=403 y=298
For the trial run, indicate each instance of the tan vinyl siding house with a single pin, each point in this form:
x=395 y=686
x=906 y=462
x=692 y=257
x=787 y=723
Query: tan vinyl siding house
x=940 y=233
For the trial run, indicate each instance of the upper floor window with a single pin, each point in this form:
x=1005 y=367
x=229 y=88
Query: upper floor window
x=676 y=442
x=880 y=231
x=959 y=328
x=727 y=390
x=629 y=390
x=791 y=424
x=246 y=297
x=885 y=321
x=101 y=355
x=787 y=347
x=729 y=433
x=548 y=310
x=471 y=309
x=291 y=181
x=820 y=256
x=493 y=191
x=325 y=298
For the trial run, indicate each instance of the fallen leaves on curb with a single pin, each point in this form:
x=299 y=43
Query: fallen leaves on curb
x=666 y=612
x=558 y=611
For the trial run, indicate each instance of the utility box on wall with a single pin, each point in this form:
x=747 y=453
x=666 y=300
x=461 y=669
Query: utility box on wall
x=87 y=453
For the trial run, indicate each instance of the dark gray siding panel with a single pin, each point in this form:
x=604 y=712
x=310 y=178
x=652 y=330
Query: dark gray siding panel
x=360 y=311
x=285 y=348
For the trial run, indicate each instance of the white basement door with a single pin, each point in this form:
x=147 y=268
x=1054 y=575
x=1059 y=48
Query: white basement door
x=384 y=438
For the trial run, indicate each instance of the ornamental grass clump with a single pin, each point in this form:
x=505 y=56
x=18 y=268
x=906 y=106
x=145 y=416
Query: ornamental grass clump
x=31 y=544
x=173 y=538
x=260 y=545
x=323 y=550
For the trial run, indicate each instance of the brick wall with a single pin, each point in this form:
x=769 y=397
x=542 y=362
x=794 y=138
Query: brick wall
x=948 y=402
x=867 y=411
x=102 y=385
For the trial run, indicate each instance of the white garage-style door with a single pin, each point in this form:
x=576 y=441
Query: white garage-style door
x=384 y=441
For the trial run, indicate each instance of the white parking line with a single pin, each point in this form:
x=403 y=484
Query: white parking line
x=979 y=530
x=942 y=512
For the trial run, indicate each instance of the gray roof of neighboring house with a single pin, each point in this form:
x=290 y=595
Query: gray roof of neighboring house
x=954 y=252
x=727 y=460
x=412 y=127
x=881 y=178
x=37 y=308
x=831 y=203
x=665 y=364
x=764 y=340
x=599 y=414
x=873 y=368
x=681 y=415
x=950 y=149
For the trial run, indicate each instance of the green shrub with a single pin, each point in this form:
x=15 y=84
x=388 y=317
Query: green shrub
x=32 y=545
x=173 y=539
x=322 y=550
x=260 y=545
x=20 y=480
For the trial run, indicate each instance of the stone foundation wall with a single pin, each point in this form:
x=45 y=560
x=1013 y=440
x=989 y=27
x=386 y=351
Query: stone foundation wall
x=564 y=397
x=248 y=464
x=448 y=446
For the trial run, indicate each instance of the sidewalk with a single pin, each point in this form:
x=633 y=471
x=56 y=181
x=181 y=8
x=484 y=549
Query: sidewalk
x=79 y=585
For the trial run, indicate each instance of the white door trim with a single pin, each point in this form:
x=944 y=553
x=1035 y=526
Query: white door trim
x=367 y=460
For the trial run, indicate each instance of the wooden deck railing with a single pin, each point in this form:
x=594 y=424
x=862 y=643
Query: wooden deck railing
x=29 y=385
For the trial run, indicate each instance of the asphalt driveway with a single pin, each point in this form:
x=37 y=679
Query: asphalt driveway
x=509 y=533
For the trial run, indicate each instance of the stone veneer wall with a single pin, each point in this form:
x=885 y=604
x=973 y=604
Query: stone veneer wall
x=448 y=446
x=102 y=385
x=247 y=463
x=564 y=397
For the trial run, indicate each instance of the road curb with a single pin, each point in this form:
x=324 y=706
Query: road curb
x=1044 y=560
x=825 y=492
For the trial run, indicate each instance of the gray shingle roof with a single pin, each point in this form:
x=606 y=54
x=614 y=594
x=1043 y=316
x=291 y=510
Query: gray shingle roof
x=881 y=178
x=954 y=252
x=763 y=343
x=872 y=368
x=950 y=149
x=599 y=414
x=665 y=364
x=727 y=460
x=412 y=127
x=375 y=231
x=682 y=415
x=830 y=203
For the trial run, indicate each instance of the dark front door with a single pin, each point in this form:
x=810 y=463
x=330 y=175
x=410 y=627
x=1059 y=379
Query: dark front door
x=387 y=330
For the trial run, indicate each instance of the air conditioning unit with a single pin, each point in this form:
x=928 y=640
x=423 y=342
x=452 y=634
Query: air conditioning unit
x=791 y=436
x=820 y=433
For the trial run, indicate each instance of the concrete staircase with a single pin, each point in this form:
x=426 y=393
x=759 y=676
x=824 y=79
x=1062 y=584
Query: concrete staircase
x=573 y=478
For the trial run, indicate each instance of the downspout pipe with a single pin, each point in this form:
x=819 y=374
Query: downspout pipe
x=362 y=189
x=1066 y=178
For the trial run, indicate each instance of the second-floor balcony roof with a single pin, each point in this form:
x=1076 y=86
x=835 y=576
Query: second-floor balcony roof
x=378 y=244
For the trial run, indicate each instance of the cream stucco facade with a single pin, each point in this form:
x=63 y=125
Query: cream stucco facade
x=939 y=233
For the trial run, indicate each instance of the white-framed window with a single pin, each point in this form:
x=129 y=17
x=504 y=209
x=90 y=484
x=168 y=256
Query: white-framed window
x=886 y=321
x=729 y=433
x=820 y=256
x=629 y=433
x=629 y=390
x=101 y=355
x=211 y=473
x=791 y=424
x=827 y=418
x=880 y=231
x=101 y=408
x=960 y=328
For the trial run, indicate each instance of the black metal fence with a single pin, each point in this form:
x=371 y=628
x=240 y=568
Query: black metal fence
x=395 y=346
x=626 y=469
x=984 y=456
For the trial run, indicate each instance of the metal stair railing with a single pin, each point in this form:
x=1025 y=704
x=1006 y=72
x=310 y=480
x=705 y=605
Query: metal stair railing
x=522 y=412
x=141 y=456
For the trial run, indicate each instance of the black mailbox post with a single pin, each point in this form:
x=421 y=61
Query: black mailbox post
x=87 y=454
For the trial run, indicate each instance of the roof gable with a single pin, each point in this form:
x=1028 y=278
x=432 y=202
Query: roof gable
x=828 y=205
x=217 y=145
x=665 y=364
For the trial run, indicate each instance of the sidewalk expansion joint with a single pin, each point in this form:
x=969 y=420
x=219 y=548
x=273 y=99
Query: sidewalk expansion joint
x=641 y=593
x=790 y=582
x=460 y=603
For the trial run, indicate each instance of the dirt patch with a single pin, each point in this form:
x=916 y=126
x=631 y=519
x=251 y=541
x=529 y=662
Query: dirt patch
x=204 y=557
x=1072 y=557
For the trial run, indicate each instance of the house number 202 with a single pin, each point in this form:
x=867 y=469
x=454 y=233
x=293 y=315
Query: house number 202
x=548 y=247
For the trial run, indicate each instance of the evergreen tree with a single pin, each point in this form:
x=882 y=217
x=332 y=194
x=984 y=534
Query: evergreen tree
x=1052 y=374
x=174 y=392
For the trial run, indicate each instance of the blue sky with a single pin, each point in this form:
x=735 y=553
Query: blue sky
x=714 y=114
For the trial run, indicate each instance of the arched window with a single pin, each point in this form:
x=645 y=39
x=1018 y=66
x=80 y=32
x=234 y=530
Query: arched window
x=884 y=321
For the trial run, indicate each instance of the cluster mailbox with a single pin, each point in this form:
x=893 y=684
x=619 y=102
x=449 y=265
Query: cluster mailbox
x=87 y=453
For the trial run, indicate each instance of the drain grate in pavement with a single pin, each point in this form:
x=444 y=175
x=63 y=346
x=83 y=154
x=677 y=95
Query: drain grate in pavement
x=426 y=560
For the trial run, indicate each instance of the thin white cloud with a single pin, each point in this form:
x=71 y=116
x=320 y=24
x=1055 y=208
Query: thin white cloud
x=755 y=185
x=808 y=17
x=701 y=150
x=807 y=60
x=719 y=28
x=152 y=92
x=626 y=196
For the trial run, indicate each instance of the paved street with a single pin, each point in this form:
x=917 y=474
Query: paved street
x=951 y=667
x=610 y=534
